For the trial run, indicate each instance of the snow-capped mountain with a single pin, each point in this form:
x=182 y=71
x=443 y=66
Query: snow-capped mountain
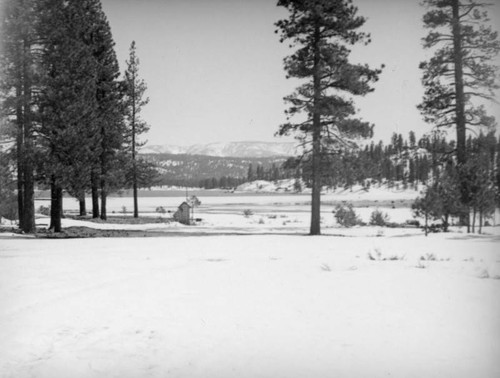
x=231 y=149
x=163 y=149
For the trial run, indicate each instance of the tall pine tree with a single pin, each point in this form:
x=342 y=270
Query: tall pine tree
x=106 y=175
x=67 y=99
x=18 y=78
x=461 y=74
x=321 y=30
x=135 y=89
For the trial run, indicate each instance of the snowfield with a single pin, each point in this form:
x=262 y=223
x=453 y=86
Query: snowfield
x=250 y=306
x=251 y=295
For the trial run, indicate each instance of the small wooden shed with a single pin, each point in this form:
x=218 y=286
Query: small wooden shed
x=182 y=215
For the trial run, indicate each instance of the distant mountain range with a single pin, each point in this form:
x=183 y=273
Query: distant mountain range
x=231 y=149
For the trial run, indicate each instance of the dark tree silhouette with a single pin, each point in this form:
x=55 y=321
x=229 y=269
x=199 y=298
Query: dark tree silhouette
x=321 y=30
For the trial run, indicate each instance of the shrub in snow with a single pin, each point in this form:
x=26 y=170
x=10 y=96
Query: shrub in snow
x=44 y=210
x=161 y=210
x=379 y=218
x=412 y=222
x=346 y=216
x=247 y=213
x=428 y=257
x=297 y=186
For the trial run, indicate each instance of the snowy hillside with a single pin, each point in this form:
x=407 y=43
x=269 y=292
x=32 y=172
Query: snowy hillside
x=231 y=149
x=174 y=168
x=163 y=149
x=357 y=192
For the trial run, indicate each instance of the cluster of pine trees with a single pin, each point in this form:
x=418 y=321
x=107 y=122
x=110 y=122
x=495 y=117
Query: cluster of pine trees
x=458 y=79
x=224 y=182
x=404 y=162
x=71 y=118
x=272 y=173
x=481 y=177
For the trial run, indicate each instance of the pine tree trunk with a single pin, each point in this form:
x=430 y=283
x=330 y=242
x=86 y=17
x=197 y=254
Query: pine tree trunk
x=134 y=165
x=83 y=207
x=460 y=106
x=61 y=208
x=104 y=215
x=102 y=181
x=29 y=197
x=55 y=206
x=95 y=195
x=20 y=162
x=459 y=84
x=480 y=222
x=446 y=222
x=136 y=205
x=474 y=219
x=29 y=182
x=316 y=144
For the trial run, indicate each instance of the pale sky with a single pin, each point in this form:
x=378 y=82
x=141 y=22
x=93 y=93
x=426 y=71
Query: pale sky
x=214 y=67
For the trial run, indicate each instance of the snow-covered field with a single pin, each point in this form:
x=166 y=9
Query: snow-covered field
x=201 y=301
x=250 y=306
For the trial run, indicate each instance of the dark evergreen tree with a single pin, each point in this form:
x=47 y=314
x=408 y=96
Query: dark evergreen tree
x=428 y=207
x=461 y=70
x=321 y=30
x=447 y=196
x=8 y=198
x=250 y=173
x=67 y=98
x=18 y=80
x=480 y=179
x=135 y=89
x=413 y=139
x=109 y=118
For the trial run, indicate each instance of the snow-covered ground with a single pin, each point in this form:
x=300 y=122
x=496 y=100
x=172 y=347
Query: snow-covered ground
x=250 y=306
x=252 y=296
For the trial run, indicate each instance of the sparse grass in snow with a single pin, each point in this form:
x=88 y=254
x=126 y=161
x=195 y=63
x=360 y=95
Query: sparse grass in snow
x=428 y=257
x=377 y=256
x=325 y=268
x=484 y=274
x=432 y=257
x=420 y=265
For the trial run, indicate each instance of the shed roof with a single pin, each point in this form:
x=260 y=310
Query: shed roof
x=184 y=203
